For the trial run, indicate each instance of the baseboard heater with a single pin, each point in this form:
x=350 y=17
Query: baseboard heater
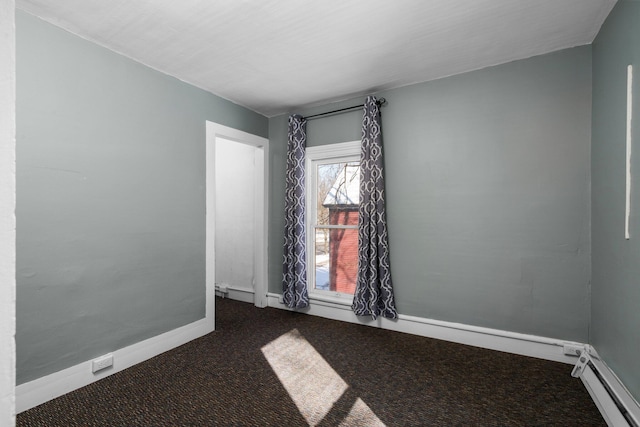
x=617 y=406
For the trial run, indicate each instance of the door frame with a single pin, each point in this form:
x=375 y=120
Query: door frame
x=214 y=131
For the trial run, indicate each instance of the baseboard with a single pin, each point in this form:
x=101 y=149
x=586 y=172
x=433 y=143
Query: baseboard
x=493 y=339
x=238 y=294
x=36 y=392
x=616 y=404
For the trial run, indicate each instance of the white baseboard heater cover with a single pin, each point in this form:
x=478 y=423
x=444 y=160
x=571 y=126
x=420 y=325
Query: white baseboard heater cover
x=617 y=406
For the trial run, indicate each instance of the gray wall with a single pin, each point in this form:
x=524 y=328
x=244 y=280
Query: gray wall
x=488 y=198
x=615 y=314
x=110 y=198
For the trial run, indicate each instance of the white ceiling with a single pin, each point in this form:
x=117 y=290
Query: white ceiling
x=273 y=56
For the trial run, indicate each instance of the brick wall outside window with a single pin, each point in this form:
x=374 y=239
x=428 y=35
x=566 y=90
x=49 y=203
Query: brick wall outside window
x=343 y=249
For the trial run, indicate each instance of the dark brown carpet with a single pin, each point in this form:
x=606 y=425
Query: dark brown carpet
x=223 y=379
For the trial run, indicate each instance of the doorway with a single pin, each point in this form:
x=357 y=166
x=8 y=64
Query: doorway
x=236 y=215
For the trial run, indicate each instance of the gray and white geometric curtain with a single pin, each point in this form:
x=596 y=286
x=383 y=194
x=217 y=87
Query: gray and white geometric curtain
x=294 y=281
x=374 y=291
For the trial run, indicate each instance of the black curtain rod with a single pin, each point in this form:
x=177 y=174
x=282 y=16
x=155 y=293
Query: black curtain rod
x=380 y=102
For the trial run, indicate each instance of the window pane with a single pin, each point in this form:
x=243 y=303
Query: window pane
x=338 y=193
x=322 y=259
x=336 y=259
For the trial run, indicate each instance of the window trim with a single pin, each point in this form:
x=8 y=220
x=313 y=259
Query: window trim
x=323 y=154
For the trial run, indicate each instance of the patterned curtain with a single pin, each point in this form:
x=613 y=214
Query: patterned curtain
x=374 y=292
x=294 y=281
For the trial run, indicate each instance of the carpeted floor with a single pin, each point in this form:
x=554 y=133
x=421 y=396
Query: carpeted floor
x=337 y=374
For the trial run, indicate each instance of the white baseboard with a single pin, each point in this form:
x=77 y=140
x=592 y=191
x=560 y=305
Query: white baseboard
x=36 y=392
x=602 y=398
x=493 y=339
x=238 y=294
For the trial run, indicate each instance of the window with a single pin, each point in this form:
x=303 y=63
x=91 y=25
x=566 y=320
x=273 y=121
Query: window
x=333 y=181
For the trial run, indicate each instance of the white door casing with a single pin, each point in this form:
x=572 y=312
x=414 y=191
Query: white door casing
x=214 y=131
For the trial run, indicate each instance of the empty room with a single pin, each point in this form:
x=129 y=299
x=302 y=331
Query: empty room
x=332 y=213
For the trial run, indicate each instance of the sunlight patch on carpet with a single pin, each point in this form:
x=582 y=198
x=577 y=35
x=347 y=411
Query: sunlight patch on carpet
x=361 y=415
x=311 y=382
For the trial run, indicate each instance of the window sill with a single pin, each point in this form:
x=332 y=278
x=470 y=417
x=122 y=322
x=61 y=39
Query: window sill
x=331 y=299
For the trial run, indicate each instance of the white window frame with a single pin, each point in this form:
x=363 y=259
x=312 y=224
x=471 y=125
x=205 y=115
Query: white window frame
x=318 y=155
